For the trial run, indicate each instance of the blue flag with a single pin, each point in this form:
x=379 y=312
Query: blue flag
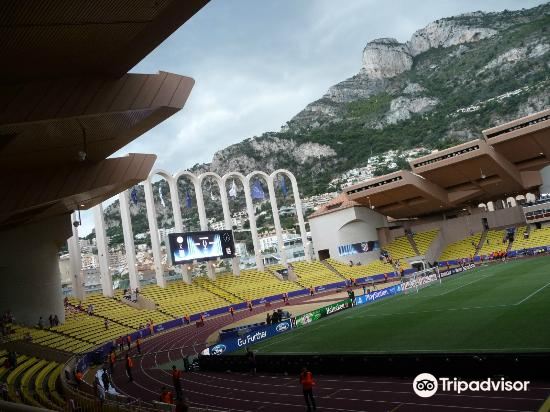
x=133 y=195
x=187 y=200
x=257 y=191
x=283 y=186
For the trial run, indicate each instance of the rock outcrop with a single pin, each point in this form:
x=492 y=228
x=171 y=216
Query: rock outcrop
x=384 y=58
x=445 y=33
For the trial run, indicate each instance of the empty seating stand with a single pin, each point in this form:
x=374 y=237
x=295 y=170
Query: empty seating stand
x=463 y=248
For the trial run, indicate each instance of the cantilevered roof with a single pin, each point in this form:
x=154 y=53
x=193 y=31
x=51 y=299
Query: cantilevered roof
x=66 y=38
x=505 y=164
x=67 y=102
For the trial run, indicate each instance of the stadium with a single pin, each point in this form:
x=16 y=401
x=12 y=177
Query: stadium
x=442 y=269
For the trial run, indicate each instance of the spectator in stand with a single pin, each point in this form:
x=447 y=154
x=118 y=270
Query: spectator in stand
x=106 y=380
x=40 y=323
x=55 y=320
x=99 y=391
x=351 y=263
x=79 y=378
x=166 y=396
x=129 y=366
x=138 y=345
x=307 y=382
x=106 y=323
x=232 y=312
x=176 y=380
x=50 y=319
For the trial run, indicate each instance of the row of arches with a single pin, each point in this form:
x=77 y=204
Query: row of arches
x=508 y=202
x=197 y=182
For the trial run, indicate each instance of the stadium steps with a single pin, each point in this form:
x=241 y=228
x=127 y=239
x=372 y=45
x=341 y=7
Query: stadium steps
x=52 y=386
x=205 y=283
x=332 y=268
x=481 y=242
x=410 y=237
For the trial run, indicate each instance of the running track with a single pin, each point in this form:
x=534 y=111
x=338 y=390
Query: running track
x=278 y=393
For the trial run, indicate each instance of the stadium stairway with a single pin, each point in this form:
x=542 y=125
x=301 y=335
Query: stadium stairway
x=410 y=238
x=327 y=264
x=481 y=242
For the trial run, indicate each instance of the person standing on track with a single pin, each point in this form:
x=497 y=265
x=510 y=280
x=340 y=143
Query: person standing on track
x=251 y=356
x=129 y=341
x=138 y=345
x=176 y=380
x=307 y=382
x=232 y=312
x=112 y=360
x=129 y=366
x=166 y=396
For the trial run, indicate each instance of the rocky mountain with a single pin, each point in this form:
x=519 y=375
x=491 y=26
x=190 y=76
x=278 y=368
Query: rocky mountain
x=450 y=80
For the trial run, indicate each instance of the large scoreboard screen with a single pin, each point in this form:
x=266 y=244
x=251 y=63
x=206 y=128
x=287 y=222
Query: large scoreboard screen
x=199 y=246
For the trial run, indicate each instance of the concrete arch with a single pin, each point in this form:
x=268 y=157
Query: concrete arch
x=530 y=197
x=298 y=205
x=511 y=202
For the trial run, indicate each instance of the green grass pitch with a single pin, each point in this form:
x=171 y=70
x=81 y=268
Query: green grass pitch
x=497 y=308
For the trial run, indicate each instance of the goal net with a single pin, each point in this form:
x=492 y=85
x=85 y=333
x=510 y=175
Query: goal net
x=420 y=279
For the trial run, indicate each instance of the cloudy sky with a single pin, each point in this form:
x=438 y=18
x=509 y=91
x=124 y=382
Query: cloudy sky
x=257 y=63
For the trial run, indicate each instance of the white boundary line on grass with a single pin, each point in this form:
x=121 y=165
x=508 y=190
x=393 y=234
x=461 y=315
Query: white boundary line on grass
x=532 y=294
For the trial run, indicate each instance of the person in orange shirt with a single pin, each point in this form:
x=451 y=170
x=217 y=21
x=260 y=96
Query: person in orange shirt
x=129 y=366
x=307 y=382
x=232 y=311
x=311 y=291
x=176 y=380
x=112 y=360
x=166 y=396
x=78 y=376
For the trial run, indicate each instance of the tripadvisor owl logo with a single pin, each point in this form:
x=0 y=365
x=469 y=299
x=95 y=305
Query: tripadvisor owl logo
x=425 y=385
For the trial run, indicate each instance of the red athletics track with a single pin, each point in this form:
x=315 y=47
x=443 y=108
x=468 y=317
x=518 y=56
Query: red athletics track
x=278 y=393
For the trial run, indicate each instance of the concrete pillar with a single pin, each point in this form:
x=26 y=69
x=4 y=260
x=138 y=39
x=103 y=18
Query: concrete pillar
x=276 y=218
x=128 y=238
x=235 y=264
x=30 y=282
x=203 y=221
x=252 y=220
x=154 y=232
x=76 y=261
x=299 y=214
x=103 y=252
x=545 y=187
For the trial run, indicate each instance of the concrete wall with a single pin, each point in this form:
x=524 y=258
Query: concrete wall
x=545 y=174
x=30 y=281
x=351 y=225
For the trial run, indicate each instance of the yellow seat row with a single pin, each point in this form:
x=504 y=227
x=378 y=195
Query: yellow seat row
x=423 y=240
x=88 y=328
x=179 y=298
x=314 y=274
x=493 y=242
x=463 y=248
x=252 y=284
x=537 y=238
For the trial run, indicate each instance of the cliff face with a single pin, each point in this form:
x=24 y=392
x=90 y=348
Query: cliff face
x=383 y=58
